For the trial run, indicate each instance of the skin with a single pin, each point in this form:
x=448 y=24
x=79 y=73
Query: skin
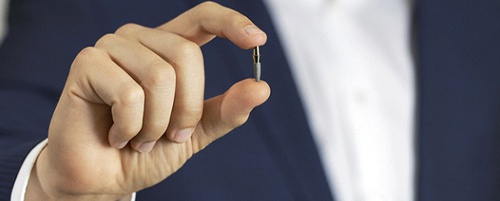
x=132 y=110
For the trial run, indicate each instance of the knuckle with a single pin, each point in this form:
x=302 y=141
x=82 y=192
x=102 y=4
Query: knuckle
x=107 y=40
x=188 y=49
x=131 y=95
x=88 y=53
x=86 y=56
x=127 y=29
x=208 y=4
x=159 y=75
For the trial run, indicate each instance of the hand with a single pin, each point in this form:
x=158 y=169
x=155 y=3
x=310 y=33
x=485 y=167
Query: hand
x=132 y=110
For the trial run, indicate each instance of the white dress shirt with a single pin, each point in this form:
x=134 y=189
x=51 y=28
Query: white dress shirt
x=352 y=62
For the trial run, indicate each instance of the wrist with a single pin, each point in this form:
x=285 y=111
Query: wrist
x=45 y=184
x=34 y=190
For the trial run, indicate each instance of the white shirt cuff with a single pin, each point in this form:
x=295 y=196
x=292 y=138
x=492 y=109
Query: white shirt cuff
x=23 y=176
x=24 y=173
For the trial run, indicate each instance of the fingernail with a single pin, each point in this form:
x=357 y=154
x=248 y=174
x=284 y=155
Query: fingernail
x=183 y=135
x=252 y=29
x=121 y=145
x=146 y=147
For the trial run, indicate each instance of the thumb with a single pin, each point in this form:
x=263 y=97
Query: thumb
x=225 y=112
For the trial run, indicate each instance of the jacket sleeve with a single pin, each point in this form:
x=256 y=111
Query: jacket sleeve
x=11 y=158
x=24 y=120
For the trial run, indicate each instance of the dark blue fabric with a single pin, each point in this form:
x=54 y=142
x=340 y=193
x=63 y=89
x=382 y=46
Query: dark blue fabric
x=459 y=93
x=273 y=156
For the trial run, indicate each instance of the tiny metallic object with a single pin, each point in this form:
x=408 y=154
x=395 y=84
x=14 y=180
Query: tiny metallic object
x=256 y=63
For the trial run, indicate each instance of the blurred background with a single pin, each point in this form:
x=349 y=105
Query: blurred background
x=3 y=17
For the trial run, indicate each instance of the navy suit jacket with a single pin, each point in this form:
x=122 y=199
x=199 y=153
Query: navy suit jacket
x=272 y=156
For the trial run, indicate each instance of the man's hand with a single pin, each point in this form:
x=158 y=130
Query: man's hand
x=132 y=110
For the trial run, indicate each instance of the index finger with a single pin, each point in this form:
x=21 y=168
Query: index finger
x=207 y=20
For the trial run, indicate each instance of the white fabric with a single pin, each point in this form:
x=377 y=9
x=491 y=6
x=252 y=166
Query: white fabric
x=21 y=183
x=23 y=176
x=352 y=63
